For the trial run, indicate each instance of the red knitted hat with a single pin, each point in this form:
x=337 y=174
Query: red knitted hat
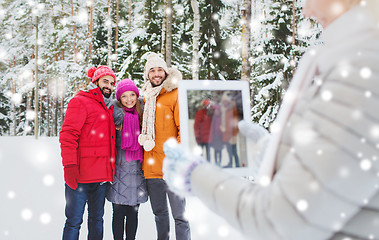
x=96 y=73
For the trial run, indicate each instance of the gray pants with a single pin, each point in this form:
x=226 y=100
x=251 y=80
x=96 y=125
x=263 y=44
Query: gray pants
x=158 y=192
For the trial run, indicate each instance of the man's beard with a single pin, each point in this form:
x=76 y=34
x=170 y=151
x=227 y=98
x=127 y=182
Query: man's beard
x=156 y=85
x=107 y=95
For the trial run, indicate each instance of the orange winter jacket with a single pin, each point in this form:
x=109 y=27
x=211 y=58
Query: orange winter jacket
x=166 y=125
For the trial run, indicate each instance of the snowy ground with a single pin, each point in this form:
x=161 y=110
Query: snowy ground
x=32 y=198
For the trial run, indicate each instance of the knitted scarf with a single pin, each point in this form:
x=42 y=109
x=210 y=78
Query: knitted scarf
x=147 y=137
x=130 y=132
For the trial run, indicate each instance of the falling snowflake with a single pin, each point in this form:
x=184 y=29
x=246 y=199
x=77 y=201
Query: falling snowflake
x=302 y=205
x=30 y=114
x=375 y=132
x=365 y=72
x=275 y=127
x=337 y=226
x=48 y=180
x=11 y=194
x=41 y=157
x=82 y=16
x=197 y=150
x=223 y=231
x=314 y=186
x=326 y=95
x=64 y=21
x=303 y=134
x=151 y=161
x=168 y=11
x=365 y=164
x=318 y=81
x=368 y=94
x=17 y=98
x=108 y=23
x=264 y=181
x=8 y=36
x=202 y=229
x=79 y=56
x=259 y=48
x=319 y=152
x=26 y=214
x=45 y=218
x=344 y=172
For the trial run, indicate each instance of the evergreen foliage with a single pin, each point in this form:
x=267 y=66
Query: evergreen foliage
x=64 y=55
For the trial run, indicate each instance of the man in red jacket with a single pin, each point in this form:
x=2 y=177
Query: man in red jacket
x=203 y=126
x=88 y=150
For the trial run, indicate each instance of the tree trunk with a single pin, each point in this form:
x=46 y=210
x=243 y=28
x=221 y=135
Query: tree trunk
x=74 y=32
x=164 y=30
x=169 y=13
x=246 y=16
x=293 y=32
x=196 y=37
x=130 y=16
x=90 y=34
x=109 y=23
x=117 y=16
x=36 y=127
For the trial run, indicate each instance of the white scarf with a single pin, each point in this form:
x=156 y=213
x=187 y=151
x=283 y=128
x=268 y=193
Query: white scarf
x=147 y=136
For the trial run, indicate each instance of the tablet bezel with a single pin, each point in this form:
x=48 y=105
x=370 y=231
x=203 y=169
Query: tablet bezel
x=215 y=85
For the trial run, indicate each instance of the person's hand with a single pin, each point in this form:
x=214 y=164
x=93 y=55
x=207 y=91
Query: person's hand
x=252 y=130
x=259 y=138
x=71 y=174
x=178 y=166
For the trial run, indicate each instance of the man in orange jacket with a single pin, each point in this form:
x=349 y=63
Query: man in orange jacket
x=161 y=122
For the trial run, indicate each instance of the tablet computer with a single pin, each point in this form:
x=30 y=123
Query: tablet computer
x=209 y=114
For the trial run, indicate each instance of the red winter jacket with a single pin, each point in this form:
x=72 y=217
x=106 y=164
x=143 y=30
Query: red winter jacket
x=88 y=137
x=202 y=126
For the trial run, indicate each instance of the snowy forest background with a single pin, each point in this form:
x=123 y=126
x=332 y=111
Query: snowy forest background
x=46 y=48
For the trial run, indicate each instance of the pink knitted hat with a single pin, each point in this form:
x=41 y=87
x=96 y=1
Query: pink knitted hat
x=125 y=85
x=96 y=73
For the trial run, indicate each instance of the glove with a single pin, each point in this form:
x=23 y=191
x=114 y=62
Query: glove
x=252 y=130
x=178 y=166
x=260 y=138
x=71 y=174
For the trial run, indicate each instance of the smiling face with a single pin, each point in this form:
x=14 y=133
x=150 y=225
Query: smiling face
x=128 y=99
x=106 y=85
x=156 y=76
x=326 y=11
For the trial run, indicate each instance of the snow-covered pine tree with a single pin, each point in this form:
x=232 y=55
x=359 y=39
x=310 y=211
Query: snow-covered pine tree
x=17 y=43
x=276 y=50
x=215 y=62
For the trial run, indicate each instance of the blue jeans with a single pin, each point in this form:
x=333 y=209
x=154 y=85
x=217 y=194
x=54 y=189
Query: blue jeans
x=94 y=195
x=158 y=193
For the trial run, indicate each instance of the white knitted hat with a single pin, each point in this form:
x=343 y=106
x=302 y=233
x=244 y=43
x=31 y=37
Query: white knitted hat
x=153 y=60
